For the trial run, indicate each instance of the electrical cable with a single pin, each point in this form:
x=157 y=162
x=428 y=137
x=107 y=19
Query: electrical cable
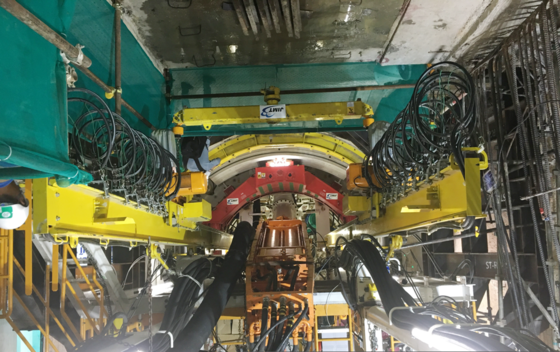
x=394 y=296
x=272 y=327
x=122 y=159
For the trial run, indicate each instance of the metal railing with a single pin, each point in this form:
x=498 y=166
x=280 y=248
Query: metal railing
x=66 y=283
x=6 y=272
x=7 y=294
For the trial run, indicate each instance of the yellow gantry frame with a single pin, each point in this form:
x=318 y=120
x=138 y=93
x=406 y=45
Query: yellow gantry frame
x=456 y=199
x=234 y=115
x=333 y=147
x=81 y=211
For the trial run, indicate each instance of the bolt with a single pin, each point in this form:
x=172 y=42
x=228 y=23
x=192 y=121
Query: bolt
x=58 y=218
x=57 y=194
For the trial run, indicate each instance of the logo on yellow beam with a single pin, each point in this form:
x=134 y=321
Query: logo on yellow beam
x=273 y=111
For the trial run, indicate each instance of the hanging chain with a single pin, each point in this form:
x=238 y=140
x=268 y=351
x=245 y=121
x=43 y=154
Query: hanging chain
x=372 y=336
x=149 y=288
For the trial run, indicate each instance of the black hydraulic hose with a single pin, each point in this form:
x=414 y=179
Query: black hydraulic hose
x=273 y=321
x=273 y=327
x=308 y=346
x=294 y=278
x=289 y=332
x=264 y=321
x=204 y=320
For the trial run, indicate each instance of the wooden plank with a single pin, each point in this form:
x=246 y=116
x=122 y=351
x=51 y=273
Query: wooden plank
x=287 y=17
x=241 y=16
x=296 y=14
x=252 y=15
x=275 y=12
x=261 y=6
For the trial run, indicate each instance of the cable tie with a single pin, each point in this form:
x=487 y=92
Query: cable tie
x=80 y=57
x=193 y=279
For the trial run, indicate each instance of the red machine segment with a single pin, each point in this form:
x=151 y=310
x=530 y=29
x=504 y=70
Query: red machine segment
x=269 y=180
x=275 y=175
x=232 y=203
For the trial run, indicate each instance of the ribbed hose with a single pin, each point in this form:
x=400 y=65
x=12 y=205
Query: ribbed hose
x=204 y=320
x=264 y=321
x=273 y=321
x=290 y=331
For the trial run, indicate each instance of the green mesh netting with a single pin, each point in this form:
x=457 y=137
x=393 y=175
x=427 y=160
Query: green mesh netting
x=33 y=111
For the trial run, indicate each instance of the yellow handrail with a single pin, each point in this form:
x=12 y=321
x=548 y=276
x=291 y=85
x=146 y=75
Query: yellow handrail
x=63 y=297
x=6 y=272
x=66 y=284
x=79 y=267
x=46 y=303
x=34 y=320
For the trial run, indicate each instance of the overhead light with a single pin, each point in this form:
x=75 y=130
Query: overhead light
x=232 y=48
x=280 y=161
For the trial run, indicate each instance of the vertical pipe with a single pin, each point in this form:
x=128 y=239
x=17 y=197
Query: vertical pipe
x=118 y=89
x=54 y=267
x=350 y=328
x=500 y=299
x=26 y=227
x=47 y=303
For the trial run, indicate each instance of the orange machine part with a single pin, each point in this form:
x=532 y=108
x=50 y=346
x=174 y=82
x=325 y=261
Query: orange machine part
x=280 y=264
x=355 y=178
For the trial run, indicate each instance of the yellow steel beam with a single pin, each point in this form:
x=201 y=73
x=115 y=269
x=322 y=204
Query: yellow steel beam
x=333 y=147
x=233 y=115
x=452 y=198
x=323 y=310
x=81 y=211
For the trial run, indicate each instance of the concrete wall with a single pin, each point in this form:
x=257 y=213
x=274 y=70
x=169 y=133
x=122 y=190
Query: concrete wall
x=7 y=336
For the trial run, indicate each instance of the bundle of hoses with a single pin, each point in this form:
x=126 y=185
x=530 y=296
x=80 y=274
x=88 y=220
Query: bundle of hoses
x=437 y=122
x=359 y=252
x=199 y=328
x=278 y=337
x=180 y=306
x=127 y=160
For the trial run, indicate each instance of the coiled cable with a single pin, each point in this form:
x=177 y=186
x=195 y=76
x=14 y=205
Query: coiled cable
x=124 y=160
x=437 y=122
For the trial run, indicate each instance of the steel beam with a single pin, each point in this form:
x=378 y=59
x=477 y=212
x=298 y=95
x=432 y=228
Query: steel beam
x=485 y=265
x=295 y=113
x=81 y=211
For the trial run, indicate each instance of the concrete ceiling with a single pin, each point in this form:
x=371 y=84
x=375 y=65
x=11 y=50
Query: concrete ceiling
x=204 y=33
x=209 y=32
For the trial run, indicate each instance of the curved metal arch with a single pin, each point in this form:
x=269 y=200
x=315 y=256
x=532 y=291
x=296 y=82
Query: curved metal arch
x=294 y=180
x=319 y=150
